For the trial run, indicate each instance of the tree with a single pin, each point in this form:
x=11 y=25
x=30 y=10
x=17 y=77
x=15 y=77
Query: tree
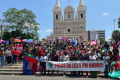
x=116 y=36
x=111 y=41
x=102 y=40
x=7 y=35
x=17 y=20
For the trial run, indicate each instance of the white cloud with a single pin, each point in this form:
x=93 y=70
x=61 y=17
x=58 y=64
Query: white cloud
x=48 y=30
x=39 y=30
x=105 y=14
x=107 y=39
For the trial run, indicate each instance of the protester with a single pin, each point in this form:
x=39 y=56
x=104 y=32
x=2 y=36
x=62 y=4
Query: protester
x=106 y=46
x=14 y=53
x=116 y=50
x=73 y=58
x=2 y=57
x=55 y=57
x=9 y=56
x=110 y=62
x=106 y=59
x=93 y=57
x=116 y=58
x=63 y=51
x=43 y=60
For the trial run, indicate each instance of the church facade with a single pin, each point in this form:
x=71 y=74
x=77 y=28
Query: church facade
x=72 y=25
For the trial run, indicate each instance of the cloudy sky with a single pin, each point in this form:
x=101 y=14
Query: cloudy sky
x=100 y=13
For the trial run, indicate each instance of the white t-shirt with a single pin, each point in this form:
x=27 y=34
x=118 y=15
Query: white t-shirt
x=9 y=53
x=92 y=58
x=98 y=55
x=106 y=59
x=43 y=59
x=65 y=58
x=57 y=52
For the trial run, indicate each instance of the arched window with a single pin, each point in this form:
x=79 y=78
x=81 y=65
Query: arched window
x=81 y=15
x=68 y=30
x=69 y=15
x=56 y=16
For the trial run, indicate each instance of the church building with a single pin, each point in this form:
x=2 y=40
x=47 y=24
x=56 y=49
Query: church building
x=72 y=25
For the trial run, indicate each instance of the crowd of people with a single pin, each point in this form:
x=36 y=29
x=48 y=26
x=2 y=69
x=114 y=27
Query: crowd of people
x=61 y=50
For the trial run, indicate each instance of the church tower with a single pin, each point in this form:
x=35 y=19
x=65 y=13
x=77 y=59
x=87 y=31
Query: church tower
x=69 y=13
x=57 y=13
x=81 y=11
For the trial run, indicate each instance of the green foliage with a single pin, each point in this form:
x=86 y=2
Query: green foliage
x=17 y=20
x=111 y=41
x=102 y=40
x=116 y=36
x=7 y=35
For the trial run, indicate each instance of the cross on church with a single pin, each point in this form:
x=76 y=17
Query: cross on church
x=69 y=1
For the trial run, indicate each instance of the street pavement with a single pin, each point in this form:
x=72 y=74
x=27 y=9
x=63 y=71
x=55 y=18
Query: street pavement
x=16 y=77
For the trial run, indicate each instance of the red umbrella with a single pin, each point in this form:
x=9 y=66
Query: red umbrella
x=24 y=40
x=17 y=40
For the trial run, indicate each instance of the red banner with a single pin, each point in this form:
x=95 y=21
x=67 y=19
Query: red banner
x=19 y=49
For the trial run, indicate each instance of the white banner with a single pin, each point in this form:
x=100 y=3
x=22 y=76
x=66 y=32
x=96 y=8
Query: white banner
x=76 y=65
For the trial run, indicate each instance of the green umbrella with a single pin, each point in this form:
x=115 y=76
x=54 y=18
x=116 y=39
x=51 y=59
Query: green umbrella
x=30 y=39
x=114 y=74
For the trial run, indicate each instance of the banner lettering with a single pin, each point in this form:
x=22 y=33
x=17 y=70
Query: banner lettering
x=76 y=65
x=19 y=48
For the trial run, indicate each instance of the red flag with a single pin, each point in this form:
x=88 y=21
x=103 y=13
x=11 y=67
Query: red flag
x=32 y=63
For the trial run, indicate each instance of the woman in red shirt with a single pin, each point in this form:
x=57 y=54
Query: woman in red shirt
x=14 y=53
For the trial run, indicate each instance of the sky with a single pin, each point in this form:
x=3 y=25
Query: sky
x=100 y=14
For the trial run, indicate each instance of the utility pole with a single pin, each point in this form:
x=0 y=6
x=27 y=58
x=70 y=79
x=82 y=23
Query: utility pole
x=114 y=24
x=1 y=32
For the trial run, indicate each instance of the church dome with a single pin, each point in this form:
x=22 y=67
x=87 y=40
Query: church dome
x=69 y=8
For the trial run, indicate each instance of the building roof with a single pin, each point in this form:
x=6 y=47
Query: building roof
x=68 y=8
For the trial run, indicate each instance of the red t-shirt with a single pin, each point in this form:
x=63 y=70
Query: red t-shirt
x=60 y=53
x=113 y=46
x=14 y=52
x=41 y=52
x=55 y=57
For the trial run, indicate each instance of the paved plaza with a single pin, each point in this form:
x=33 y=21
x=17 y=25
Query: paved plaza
x=15 y=77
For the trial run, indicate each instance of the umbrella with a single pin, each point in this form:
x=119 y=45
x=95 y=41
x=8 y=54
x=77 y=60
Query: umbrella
x=50 y=40
x=118 y=43
x=70 y=40
x=114 y=74
x=92 y=42
x=2 y=41
x=43 y=39
x=17 y=40
x=29 y=41
x=46 y=40
x=24 y=40
x=60 y=38
x=63 y=37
